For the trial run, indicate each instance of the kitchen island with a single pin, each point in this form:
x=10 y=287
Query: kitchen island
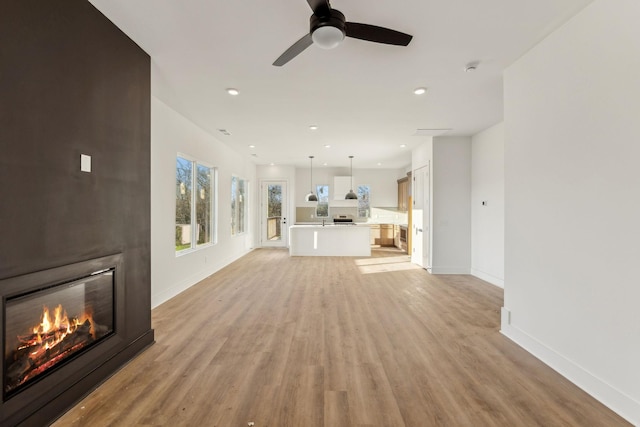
x=329 y=240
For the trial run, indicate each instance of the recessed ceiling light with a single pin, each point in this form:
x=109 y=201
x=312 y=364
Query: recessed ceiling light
x=324 y=164
x=232 y=91
x=379 y=164
x=313 y=127
x=272 y=164
x=252 y=146
x=420 y=91
x=403 y=145
x=327 y=146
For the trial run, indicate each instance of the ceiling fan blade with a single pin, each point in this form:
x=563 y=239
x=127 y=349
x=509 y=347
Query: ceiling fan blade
x=320 y=7
x=376 y=34
x=294 y=50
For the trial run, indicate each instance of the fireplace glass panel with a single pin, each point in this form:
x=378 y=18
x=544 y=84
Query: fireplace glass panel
x=47 y=327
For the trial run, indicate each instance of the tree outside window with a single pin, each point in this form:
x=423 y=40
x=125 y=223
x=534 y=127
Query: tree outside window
x=364 y=208
x=193 y=207
x=322 y=209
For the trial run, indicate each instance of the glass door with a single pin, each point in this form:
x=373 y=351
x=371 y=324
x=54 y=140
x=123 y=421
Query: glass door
x=274 y=224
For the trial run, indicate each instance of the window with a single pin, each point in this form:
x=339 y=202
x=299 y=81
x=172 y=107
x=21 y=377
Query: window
x=193 y=207
x=363 y=201
x=238 y=205
x=322 y=209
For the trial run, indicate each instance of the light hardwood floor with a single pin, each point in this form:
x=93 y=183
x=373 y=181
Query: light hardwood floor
x=311 y=341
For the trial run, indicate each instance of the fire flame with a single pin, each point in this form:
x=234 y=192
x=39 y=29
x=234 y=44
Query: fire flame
x=53 y=329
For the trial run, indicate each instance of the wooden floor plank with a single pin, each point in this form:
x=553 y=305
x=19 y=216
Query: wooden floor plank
x=324 y=341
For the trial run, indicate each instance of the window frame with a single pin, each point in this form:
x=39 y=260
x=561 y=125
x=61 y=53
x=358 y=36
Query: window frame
x=239 y=228
x=213 y=204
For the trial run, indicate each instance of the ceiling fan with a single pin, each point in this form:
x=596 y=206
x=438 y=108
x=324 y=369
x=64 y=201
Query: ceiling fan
x=328 y=27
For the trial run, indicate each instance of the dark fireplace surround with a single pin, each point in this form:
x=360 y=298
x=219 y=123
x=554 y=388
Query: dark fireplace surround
x=41 y=398
x=63 y=314
x=76 y=85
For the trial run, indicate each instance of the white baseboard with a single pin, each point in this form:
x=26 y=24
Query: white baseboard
x=449 y=270
x=488 y=278
x=183 y=285
x=617 y=401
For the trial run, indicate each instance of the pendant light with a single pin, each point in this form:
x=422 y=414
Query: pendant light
x=311 y=197
x=351 y=195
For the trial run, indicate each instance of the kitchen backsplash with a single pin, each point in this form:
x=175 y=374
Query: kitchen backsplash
x=308 y=213
x=378 y=215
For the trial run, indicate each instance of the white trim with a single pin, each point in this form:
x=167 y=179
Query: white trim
x=188 y=251
x=488 y=278
x=617 y=401
x=449 y=270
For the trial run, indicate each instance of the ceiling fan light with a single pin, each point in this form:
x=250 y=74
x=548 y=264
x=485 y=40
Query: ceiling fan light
x=327 y=37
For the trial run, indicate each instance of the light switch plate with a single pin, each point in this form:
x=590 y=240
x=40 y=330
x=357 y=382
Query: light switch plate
x=85 y=163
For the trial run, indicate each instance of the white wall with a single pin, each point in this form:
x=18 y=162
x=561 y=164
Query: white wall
x=422 y=154
x=572 y=236
x=171 y=133
x=451 y=205
x=487 y=221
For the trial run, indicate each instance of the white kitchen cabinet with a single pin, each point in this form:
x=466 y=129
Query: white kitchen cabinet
x=329 y=240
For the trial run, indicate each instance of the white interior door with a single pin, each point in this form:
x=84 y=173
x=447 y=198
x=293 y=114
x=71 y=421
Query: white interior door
x=273 y=217
x=417 y=231
x=420 y=215
x=426 y=218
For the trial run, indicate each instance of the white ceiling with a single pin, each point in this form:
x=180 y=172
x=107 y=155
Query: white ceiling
x=359 y=94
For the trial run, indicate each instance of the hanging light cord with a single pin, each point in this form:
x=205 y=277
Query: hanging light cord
x=351 y=168
x=310 y=174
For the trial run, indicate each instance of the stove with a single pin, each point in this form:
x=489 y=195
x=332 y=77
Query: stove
x=343 y=219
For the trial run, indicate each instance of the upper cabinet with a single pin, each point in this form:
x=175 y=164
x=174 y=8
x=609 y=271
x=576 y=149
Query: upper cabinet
x=404 y=191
